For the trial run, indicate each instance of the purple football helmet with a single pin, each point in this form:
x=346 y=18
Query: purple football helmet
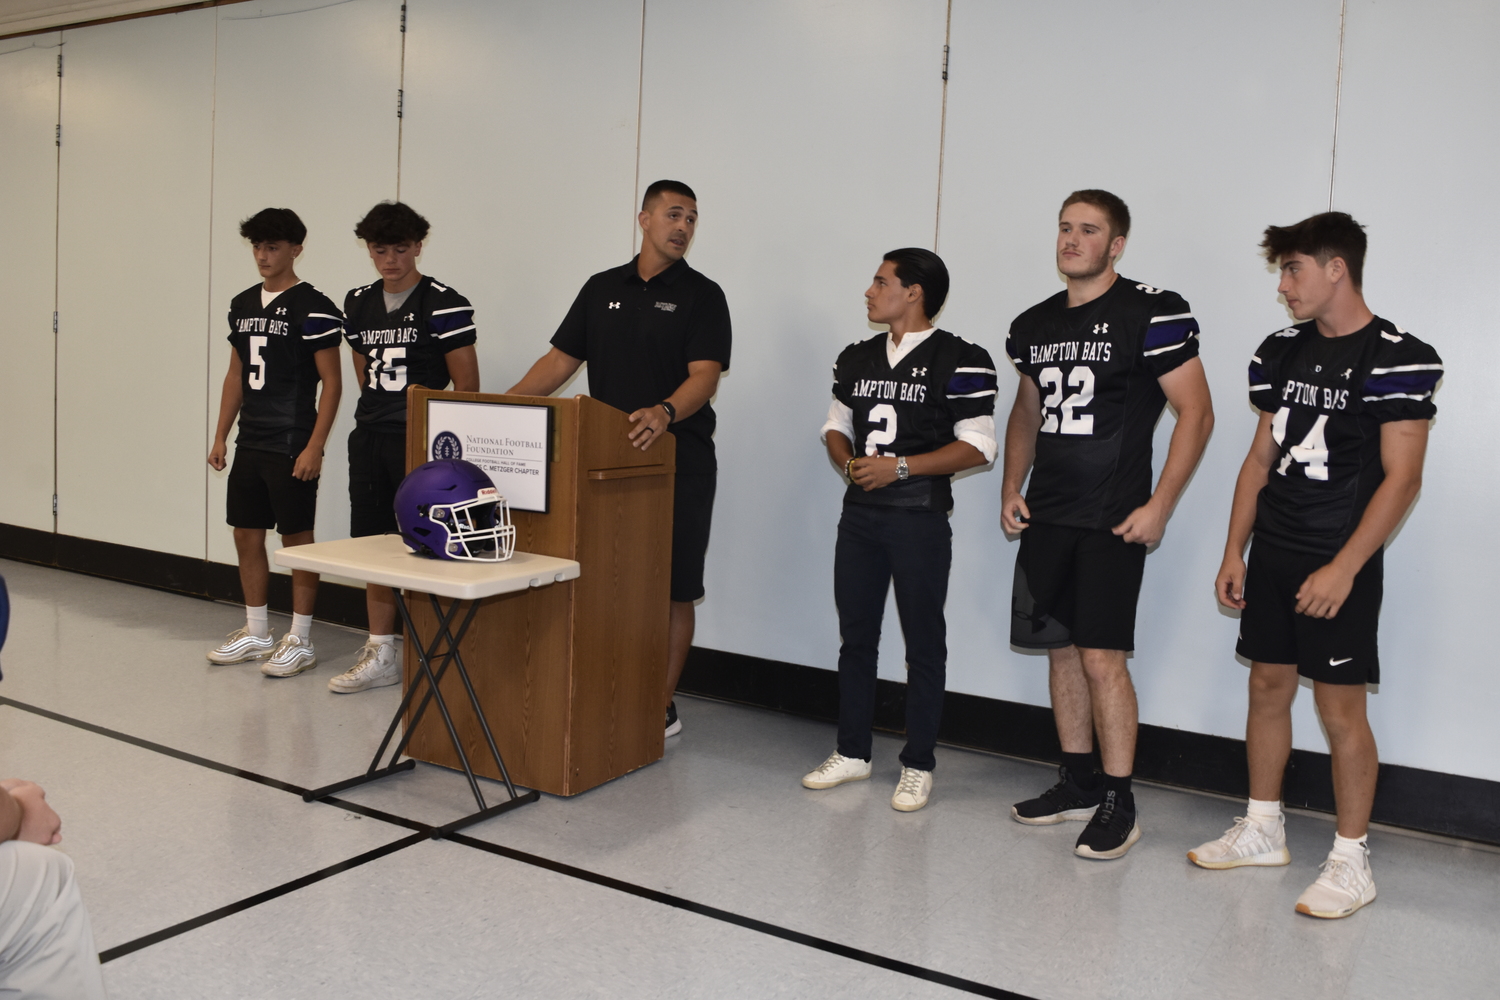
x=449 y=509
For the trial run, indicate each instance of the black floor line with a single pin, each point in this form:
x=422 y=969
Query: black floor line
x=739 y=920
x=156 y=937
x=424 y=832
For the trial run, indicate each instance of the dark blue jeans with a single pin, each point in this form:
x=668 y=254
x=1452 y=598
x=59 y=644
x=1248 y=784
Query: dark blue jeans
x=915 y=548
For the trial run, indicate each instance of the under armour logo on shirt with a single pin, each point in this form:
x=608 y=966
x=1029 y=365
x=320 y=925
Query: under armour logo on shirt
x=281 y=310
x=1348 y=372
x=614 y=305
x=410 y=317
x=1101 y=329
x=918 y=372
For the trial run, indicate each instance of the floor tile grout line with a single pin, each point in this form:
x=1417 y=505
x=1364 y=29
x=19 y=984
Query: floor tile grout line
x=229 y=910
x=739 y=920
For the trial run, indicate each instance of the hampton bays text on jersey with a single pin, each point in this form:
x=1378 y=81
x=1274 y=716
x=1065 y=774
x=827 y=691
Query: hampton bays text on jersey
x=1070 y=350
x=393 y=335
x=263 y=324
x=875 y=388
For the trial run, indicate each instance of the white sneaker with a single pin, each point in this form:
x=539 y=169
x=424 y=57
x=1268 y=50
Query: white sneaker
x=377 y=666
x=836 y=770
x=912 y=790
x=292 y=655
x=241 y=646
x=1343 y=887
x=1248 y=842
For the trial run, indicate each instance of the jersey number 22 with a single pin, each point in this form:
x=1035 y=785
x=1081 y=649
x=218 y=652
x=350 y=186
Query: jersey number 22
x=1055 y=407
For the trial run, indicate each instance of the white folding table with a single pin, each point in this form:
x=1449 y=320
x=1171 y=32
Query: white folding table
x=385 y=559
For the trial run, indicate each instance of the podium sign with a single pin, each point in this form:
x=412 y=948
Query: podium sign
x=510 y=442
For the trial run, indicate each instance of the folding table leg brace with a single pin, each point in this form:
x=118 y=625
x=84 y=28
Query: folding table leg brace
x=425 y=656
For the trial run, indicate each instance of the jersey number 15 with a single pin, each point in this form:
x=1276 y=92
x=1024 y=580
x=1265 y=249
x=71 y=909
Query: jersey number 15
x=384 y=371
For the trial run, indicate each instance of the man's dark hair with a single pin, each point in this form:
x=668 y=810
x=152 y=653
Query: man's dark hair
x=915 y=266
x=1323 y=237
x=1114 y=209
x=392 y=222
x=665 y=187
x=274 y=225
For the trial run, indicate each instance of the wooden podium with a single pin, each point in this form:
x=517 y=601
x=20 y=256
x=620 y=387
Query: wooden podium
x=571 y=677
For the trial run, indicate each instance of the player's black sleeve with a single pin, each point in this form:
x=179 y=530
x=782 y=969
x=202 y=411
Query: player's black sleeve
x=451 y=321
x=1264 y=366
x=352 y=303
x=322 y=326
x=572 y=336
x=709 y=338
x=842 y=387
x=972 y=386
x=1402 y=380
x=1171 y=335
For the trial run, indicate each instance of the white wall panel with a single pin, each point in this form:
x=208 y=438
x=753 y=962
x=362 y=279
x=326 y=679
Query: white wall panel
x=1416 y=154
x=1211 y=121
x=810 y=133
x=519 y=148
x=133 y=281
x=305 y=119
x=28 y=217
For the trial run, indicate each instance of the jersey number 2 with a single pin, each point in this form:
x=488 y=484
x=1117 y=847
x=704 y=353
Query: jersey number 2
x=385 y=373
x=1055 y=407
x=885 y=415
x=1312 y=452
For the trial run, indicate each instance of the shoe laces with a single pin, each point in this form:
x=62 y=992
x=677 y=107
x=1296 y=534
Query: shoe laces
x=832 y=763
x=1340 y=873
x=910 y=783
x=1107 y=812
x=236 y=635
x=1244 y=828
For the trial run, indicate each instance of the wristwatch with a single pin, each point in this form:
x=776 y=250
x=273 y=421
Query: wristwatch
x=671 y=410
x=901 y=470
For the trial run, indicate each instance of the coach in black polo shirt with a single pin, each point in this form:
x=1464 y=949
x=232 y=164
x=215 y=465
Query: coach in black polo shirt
x=655 y=334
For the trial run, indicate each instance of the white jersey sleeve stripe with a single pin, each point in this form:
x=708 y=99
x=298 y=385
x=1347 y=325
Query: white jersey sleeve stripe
x=1406 y=368
x=1163 y=350
x=984 y=371
x=1163 y=319
x=1397 y=395
x=972 y=395
x=454 y=333
x=455 y=309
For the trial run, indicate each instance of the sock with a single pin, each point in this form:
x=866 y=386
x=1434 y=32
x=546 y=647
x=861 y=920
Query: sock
x=302 y=625
x=1350 y=849
x=1081 y=769
x=1121 y=788
x=384 y=640
x=256 y=623
x=1264 y=813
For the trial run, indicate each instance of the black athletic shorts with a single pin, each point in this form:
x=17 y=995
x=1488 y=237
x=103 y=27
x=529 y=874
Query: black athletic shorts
x=1075 y=587
x=264 y=494
x=1337 y=650
x=692 y=512
x=377 y=464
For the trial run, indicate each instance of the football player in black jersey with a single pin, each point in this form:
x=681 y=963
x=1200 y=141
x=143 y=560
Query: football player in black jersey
x=405 y=329
x=285 y=339
x=1345 y=398
x=911 y=408
x=1098 y=362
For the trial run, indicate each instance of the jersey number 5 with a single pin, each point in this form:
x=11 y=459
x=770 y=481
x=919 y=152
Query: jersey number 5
x=256 y=377
x=385 y=372
x=1312 y=452
x=1055 y=407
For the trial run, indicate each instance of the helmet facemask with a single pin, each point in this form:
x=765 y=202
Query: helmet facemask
x=478 y=529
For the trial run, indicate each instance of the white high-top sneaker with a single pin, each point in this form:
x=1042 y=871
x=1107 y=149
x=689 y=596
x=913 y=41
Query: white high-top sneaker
x=377 y=666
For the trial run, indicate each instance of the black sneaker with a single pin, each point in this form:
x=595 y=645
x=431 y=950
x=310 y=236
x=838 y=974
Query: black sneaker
x=674 y=726
x=1111 y=832
x=1058 y=804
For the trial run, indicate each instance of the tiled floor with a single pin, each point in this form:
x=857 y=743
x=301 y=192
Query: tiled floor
x=709 y=874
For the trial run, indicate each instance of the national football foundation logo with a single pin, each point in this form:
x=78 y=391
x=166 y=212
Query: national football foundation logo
x=446 y=445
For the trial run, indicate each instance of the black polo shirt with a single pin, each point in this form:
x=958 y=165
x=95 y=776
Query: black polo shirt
x=638 y=338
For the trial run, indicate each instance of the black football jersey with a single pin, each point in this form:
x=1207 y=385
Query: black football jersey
x=406 y=347
x=1328 y=397
x=911 y=409
x=1096 y=366
x=278 y=376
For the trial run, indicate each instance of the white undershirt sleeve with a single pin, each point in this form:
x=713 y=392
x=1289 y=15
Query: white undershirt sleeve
x=979 y=432
x=841 y=419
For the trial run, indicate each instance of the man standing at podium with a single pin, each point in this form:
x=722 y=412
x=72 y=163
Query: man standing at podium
x=655 y=334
